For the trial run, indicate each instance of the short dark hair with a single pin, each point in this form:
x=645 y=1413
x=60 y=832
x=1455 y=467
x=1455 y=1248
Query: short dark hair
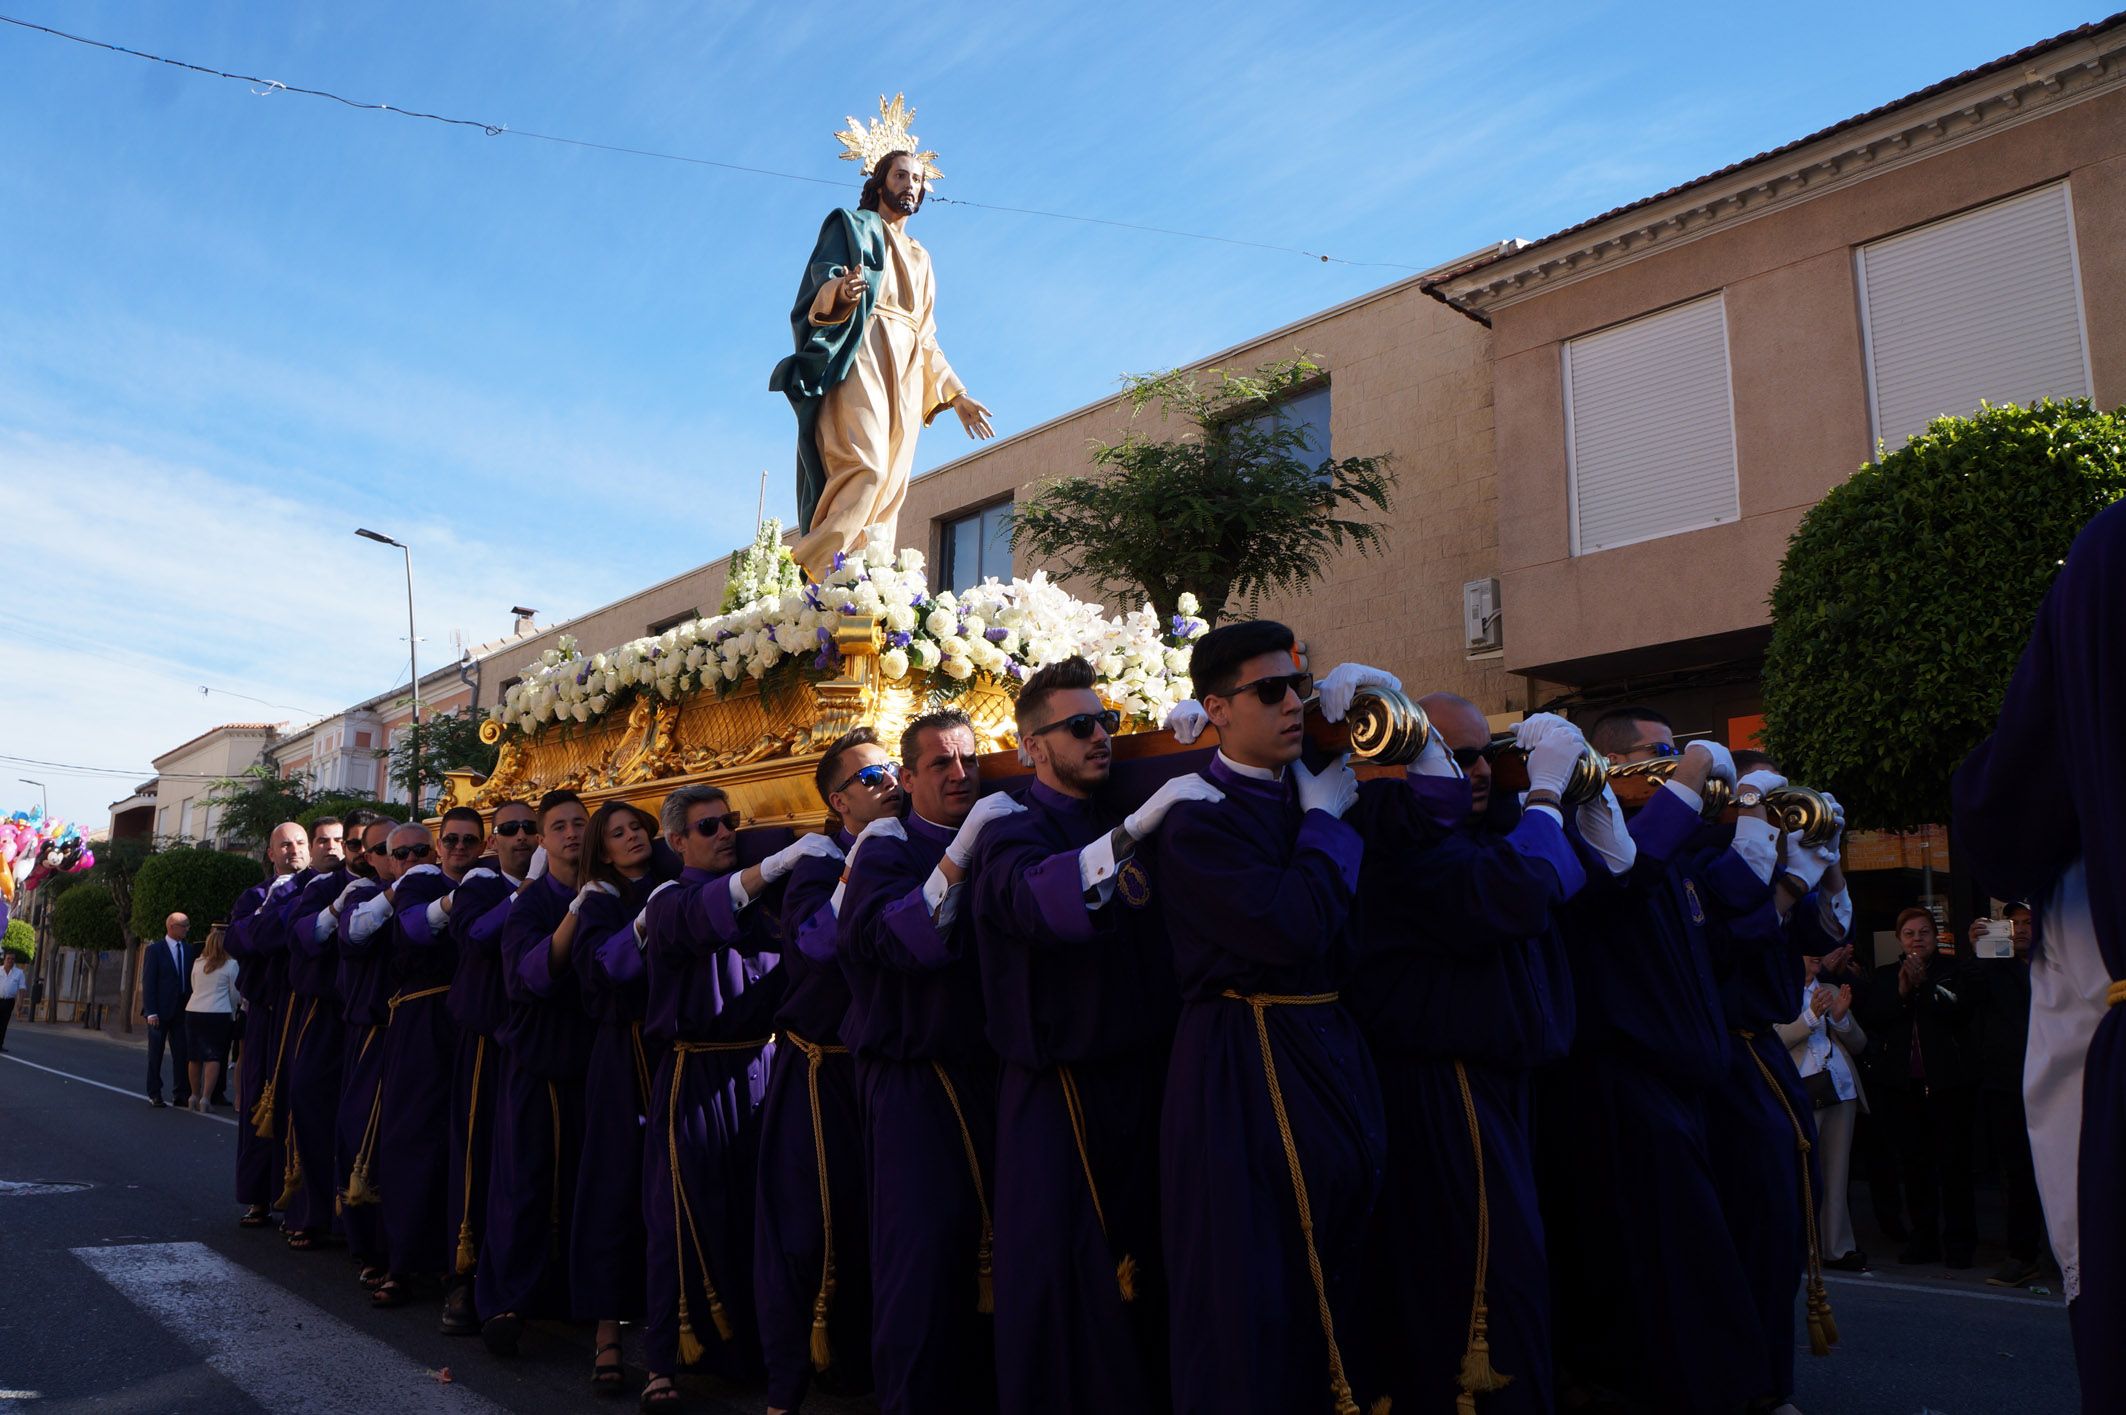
x=941 y=720
x=553 y=801
x=361 y=818
x=1618 y=729
x=1749 y=759
x=322 y=821
x=828 y=774
x=1063 y=676
x=464 y=813
x=1214 y=664
x=501 y=806
x=596 y=863
x=875 y=184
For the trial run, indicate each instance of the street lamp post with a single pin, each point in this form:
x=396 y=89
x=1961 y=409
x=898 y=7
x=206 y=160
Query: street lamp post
x=413 y=660
x=41 y=787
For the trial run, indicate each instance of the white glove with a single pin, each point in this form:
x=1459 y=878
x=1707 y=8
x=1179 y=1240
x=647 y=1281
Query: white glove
x=889 y=826
x=1806 y=863
x=280 y=883
x=641 y=926
x=995 y=806
x=417 y=870
x=1723 y=761
x=1186 y=720
x=1554 y=749
x=1436 y=760
x=1341 y=684
x=807 y=847
x=1335 y=790
x=596 y=886
x=352 y=885
x=538 y=865
x=1602 y=827
x=1837 y=814
x=1765 y=781
x=1143 y=822
x=478 y=872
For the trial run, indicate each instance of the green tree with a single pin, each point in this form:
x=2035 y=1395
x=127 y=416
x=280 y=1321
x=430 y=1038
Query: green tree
x=340 y=805
x=197 y=882
x=21 y=940
x=448 y=741
x=1908 y=592
x=1232 y=509
x=256 y=800
x=87 y=919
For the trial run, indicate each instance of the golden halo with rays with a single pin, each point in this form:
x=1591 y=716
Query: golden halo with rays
x=888 y=132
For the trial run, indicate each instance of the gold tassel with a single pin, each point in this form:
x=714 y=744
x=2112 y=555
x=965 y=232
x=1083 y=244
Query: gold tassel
x=1126 y=1277
x=985 y=1292
x=467 y=1254
x=822 y=1353
x=292 y=1187
x=689 y=1344
x=722 y=1320
x=262 y=1112
x=359 y=1190
x=1478 y=1375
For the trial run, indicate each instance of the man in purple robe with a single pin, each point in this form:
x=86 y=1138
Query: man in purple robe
x=811 y=1225
x=1271 y=1141
x=316 y=1034
x=2041 y=810
x=1462 y=990
x=1652 y=1303
x=413 y=1125
x=259 y=946
x=1078 y=990
x=714 y=986
x=546 y=1043
x=365 y=1001
x=476 y=911
x=927 y=1077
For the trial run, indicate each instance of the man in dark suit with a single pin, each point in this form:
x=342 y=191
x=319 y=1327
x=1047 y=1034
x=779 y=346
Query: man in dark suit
x=165 y=986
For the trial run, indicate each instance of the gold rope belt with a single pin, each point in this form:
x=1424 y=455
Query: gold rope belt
x=403 y=998
x=643 y=1083
x=1261 y=1003
x=1074 y=1104
x=815 y=1054
x=690 y=1349
x=468 y=1250
x=292 y=1161
x=262 y=1108
x=985 y=1293
x=1478 y=1375
x=359 y=1189
x=2115 y=994
x=1823 y=1328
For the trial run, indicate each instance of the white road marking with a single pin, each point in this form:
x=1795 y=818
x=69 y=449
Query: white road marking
x=283 y=1352
x=2028 y=1299
x=104 y=1086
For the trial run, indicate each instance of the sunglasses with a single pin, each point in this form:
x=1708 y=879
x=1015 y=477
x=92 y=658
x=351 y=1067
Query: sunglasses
x=410 y=852
x=1271 y=691
x=506 y=829
x=1467 y=757
x=1659 y=749
x=709 y=825
x=1081 y=724
x=873 y=776
x=380 y=848
x=452 y=842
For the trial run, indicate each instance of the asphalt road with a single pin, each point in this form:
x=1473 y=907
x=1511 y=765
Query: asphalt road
x=125 y=1285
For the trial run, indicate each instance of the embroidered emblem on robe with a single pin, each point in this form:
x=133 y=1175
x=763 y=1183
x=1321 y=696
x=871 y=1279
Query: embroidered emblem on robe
x=1134 y=885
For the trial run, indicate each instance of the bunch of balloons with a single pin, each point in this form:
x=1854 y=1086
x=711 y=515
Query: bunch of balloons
x=33 y=846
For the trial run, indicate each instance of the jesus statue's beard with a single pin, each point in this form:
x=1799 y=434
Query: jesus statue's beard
x=906 y=203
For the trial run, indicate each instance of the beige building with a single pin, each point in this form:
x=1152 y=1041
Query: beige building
x=350 y=751
x=1676 y=382
x=185 y=777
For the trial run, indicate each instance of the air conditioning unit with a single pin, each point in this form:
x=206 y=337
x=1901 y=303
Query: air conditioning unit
x=1480 y=615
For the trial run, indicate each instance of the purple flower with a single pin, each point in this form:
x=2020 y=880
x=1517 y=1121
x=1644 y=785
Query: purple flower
x=899 y=640
x=771 y=636
x=824 y=636
x=824 y=655
x=849 y=607
x=996 y=635
x=583 y=677
x=839 y=558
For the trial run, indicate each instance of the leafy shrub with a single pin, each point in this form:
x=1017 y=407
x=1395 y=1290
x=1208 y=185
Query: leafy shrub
x=197 y=882
x=1908 y=592
x=86 y=918
x=21 y=940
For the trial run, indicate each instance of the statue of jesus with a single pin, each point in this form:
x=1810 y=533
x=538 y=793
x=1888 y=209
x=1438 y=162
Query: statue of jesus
x=867 y=374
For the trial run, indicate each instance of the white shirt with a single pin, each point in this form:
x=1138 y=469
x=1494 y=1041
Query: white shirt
x=12 y=982
x=215 y=991
x=1817 y=1053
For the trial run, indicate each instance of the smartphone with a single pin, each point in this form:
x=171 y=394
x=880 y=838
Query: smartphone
x=1998 y=940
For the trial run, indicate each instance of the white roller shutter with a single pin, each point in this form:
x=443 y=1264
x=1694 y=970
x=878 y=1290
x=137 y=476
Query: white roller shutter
x=1650 y=428
x=1986 y=305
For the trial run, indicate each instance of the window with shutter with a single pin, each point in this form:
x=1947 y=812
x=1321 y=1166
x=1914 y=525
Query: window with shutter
x=1650 y=428
x=1982 y=306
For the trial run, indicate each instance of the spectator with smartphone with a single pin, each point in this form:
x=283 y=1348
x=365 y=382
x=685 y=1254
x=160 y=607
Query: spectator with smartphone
x=1998 y=990
x=1927 y=1089
x=1826 y=1041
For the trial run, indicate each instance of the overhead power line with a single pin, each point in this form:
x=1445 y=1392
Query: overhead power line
x=266 y=88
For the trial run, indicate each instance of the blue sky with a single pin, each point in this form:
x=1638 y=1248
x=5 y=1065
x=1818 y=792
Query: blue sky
x=234 y=327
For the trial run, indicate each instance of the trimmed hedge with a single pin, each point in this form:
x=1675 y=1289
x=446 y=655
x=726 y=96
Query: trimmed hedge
x=1908 y=592
x=88 y=919
x=21 y=940
x=195 y=881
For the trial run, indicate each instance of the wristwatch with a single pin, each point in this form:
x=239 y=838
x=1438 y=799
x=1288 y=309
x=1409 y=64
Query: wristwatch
x=1748 y=798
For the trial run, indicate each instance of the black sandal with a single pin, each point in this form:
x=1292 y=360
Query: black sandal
x=303 y=1240
x=373 y=1277
x=660 y=1397
x=389 y=1293
x=255 y=1217
x=501 y=1333
x=608 y=1380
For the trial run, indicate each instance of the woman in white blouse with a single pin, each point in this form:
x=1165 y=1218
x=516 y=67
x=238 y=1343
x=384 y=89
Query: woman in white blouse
x=1825 y=1040
x=210 y=1015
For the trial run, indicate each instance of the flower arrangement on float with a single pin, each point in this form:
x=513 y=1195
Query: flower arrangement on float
x=1005 y=630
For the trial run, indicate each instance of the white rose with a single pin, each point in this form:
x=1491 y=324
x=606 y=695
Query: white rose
x=900 y=618
x=941 y=623
x=867 y=599
x=598 y=704
x=1187 y=603
x=1177 y=661
x=893 y=664
x=925 y=654
x=729 y=669
x=911 y=561
x=957 y=668
x=976 y=625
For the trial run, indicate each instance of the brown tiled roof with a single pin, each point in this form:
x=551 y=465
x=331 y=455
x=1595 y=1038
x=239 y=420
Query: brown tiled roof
x=2006 y=61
